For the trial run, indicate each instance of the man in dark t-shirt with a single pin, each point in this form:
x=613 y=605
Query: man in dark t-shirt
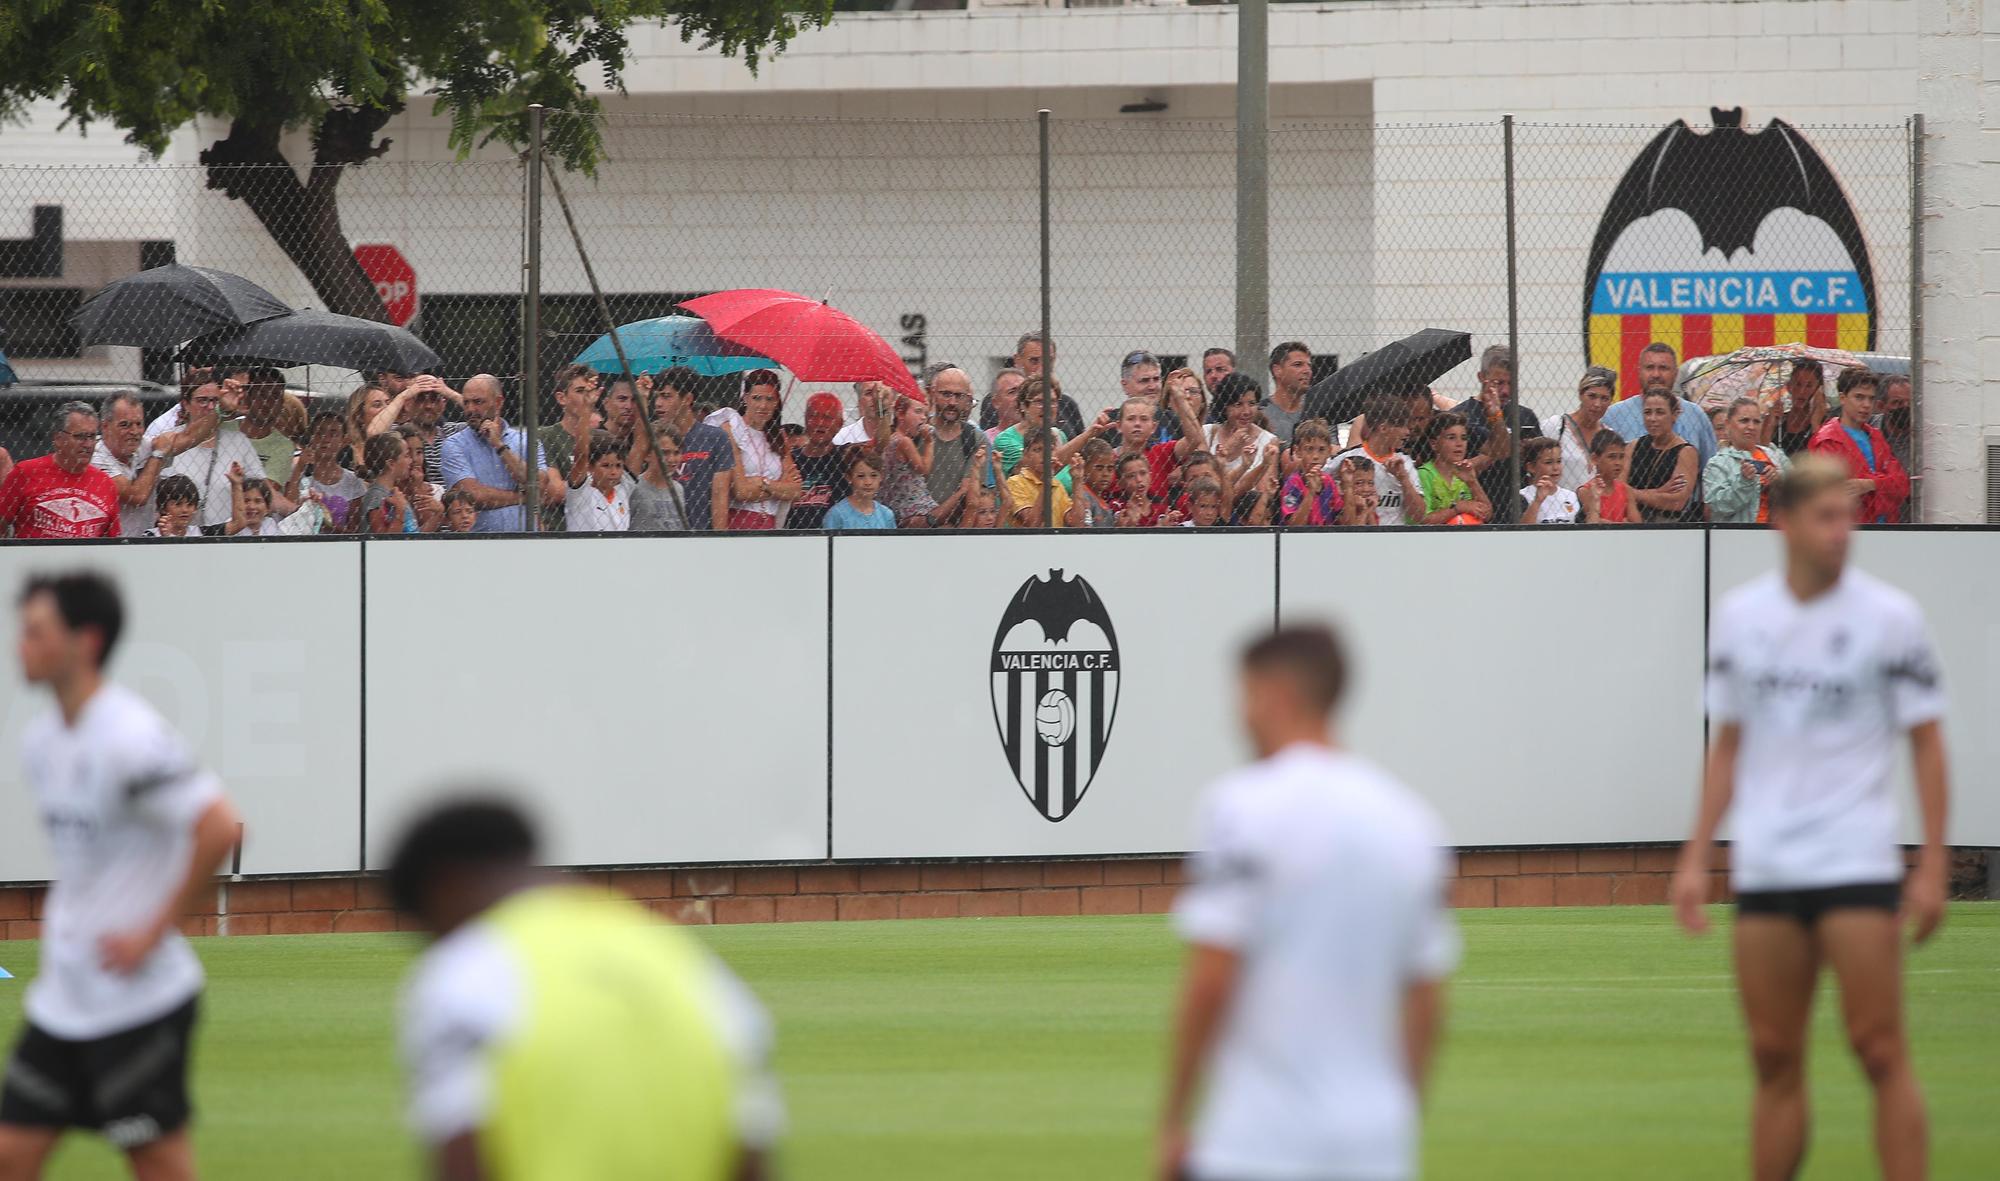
x=705 y=450
x=821 y=465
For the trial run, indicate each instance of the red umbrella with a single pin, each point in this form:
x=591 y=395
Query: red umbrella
x=814 y=340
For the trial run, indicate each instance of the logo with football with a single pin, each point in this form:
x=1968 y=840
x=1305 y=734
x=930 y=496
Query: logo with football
x=1054 y=680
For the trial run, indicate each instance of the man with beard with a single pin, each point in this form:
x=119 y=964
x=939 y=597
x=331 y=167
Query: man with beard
x=1657 y=368
x=956 y=457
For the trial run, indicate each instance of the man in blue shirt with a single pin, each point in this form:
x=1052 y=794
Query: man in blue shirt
x=488 y=461
x=1657 y=365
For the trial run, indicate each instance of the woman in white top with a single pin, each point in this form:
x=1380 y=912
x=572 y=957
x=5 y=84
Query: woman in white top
x=1576 y=429
x=766 y=480
x=1239 y=441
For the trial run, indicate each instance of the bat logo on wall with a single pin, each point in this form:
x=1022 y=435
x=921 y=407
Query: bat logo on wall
x=1720 y=239
x=1054 y=679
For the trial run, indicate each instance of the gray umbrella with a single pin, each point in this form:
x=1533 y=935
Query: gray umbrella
x=1397 y=367
x=162 y=307
x=313 y=337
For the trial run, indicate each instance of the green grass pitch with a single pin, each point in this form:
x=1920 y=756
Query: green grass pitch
x=1584 y=1043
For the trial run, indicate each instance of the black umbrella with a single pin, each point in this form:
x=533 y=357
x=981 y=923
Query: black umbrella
x=162 y=307
x=1408 y=364
x=313 y=337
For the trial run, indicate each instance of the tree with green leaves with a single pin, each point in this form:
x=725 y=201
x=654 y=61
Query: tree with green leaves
x=340 y=70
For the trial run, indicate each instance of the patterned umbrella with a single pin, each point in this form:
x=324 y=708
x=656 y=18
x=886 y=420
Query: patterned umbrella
x=1759 y=372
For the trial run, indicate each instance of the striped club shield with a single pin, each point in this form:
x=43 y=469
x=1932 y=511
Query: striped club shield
x=1054 y=682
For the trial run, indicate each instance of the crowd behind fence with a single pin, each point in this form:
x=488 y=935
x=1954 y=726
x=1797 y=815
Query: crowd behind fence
x=1544 y=243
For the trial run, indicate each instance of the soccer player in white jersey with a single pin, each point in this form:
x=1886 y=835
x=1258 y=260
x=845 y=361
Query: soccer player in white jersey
x=137 y=828
x=1319 y=945
x=1815 y=674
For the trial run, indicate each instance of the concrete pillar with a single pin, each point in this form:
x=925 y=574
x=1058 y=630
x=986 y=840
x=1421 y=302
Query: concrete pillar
x=1958 y=90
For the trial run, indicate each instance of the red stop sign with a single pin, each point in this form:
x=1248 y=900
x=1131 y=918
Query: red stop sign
x=394 y=278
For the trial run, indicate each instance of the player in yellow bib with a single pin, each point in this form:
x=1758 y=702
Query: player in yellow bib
x=562 y=1033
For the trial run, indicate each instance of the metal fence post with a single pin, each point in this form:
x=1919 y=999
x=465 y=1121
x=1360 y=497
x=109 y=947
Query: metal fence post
x=1916 y=157
x=1048 y=346
x=1512 y=421
x=531 y=328
x=1253 y=145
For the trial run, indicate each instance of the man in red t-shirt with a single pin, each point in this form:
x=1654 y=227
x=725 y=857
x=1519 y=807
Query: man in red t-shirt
x=59 y=495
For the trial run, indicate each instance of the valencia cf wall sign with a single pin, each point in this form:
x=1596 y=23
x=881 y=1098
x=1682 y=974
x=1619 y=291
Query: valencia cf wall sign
x=1055 y=689
x=1720 y=239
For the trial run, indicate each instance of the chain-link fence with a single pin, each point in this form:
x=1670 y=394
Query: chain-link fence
x=1580 y=245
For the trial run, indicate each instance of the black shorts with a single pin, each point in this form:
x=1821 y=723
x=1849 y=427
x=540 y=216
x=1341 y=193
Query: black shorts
x=1806 y=906
x=130 y=1086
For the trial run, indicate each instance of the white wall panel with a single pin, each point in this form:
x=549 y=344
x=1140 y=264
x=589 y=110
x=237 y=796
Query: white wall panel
x=249 y=650
x=920 y=764
x=1949 y=572
x=1536 y=687
x=652 y=700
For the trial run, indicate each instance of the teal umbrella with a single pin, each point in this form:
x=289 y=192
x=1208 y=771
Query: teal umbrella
x=665 y=341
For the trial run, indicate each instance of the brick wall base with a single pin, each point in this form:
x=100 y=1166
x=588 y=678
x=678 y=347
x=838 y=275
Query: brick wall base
x=1618 y=876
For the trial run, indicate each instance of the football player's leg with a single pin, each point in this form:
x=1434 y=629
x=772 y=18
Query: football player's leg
x=1777 y=964
x=1864 y=947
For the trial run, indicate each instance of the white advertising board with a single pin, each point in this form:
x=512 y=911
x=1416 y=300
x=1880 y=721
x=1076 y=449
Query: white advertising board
x=249 y=649
x=1538 y=687
x=1951 y=573
x=650 y=699
x=1036 y=694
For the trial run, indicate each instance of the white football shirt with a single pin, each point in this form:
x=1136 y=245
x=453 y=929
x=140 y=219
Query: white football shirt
x=1390 y=490
x=465 y=997
x=1824 y=691
x=1561 y=508
x=119 y=795
x=1328 y=878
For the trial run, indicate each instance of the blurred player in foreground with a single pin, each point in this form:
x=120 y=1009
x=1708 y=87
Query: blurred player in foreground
x=136 y=828
x=1815 y=672
x=1320 y=941
x=557 y=1031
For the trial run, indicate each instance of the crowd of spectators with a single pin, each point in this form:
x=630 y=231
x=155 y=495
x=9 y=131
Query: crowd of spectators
x=239 y=455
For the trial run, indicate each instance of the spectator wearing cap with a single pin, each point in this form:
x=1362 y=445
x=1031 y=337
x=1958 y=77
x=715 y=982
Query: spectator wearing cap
x=957 y=449
x=822 y=467
x=1879 y=483
x=490 y=461
x=60 y=495
x=1029 y=358
x=1495 y=422
x=1657 y=366
x=1595 y=391
x=1291 y=376
x=207 y=463
x=708 y=457
x=1216 y=364
x=419 y=402
x=133 y=462
x=765 y=482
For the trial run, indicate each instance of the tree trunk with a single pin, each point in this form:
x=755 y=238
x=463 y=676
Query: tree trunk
x=303 y=218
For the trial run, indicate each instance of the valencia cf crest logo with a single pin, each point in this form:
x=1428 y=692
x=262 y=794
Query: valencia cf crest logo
x=1718 y=240
x=1055 y=689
